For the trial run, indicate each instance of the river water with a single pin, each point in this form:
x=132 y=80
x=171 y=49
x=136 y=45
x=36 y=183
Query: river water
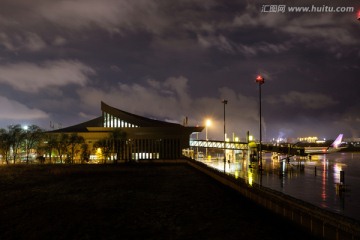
x=315 y=181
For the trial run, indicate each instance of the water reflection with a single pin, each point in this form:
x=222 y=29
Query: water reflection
x=338 y=168
x=250 y=177
x=324 y=180
x=315 y=181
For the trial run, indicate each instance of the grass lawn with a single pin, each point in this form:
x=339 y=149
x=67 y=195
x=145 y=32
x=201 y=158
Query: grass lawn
x=128 y=202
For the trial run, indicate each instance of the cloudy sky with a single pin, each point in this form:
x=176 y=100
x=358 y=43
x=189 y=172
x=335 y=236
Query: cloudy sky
x=170 y=59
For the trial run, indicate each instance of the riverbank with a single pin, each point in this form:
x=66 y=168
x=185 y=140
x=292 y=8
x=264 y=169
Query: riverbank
x=129 y=202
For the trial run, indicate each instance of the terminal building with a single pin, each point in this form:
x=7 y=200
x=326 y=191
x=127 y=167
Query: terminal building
x=140 y=137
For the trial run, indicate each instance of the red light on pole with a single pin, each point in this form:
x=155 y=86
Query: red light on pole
x=260 y=79
x=358 y=15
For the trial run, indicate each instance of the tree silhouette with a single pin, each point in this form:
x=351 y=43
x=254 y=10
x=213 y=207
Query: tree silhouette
x=5 y=144
x=33 y=137
x=118 y=139
x=17 y=135
x=74 y=141
x=106 y=146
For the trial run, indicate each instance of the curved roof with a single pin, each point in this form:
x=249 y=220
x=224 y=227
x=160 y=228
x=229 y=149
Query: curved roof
x=81 y=127
x=141 y=122
x=135 y=119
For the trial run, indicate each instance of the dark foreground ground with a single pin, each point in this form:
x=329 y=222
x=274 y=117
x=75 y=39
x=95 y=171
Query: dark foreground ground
x=129 y=202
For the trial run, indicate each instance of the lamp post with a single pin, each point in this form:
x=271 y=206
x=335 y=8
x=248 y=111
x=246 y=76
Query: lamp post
x=224 y=102
x=207 y=124
x=26 y=144
x=197 y=148
x=260 y=80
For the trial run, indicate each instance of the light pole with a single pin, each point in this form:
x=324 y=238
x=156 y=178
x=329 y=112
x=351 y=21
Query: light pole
x=260 y=80
x=207 y=124
x=26 y=145
x=197 y=148
x=224 y=102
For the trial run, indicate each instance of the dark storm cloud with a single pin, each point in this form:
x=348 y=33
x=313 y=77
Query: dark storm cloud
x=303 y=100
x=171 y=59
x=111 y=15
x=28 y=41
x=22 y=111
x=29 y=77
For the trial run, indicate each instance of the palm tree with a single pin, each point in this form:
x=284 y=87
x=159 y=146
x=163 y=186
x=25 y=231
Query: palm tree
x=85 y=153
x=61 y=144
x=105 y=145
x=50 y=144
x=74 y=142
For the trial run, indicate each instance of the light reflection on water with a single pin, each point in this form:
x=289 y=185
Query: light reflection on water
x=314 y=181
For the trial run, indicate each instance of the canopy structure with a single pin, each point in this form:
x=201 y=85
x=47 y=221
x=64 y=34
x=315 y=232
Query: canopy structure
x=141 y=137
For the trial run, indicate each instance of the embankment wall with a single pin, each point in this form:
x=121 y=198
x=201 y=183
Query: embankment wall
x=319 y=222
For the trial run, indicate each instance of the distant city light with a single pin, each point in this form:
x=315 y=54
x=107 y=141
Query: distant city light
x=308 y=139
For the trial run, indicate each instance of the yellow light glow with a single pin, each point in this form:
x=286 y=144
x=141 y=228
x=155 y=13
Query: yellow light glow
x=236 y=139
x=251 y=138
x=308 y=139
x=250 y=178
x=337 y=168
x=208 y=122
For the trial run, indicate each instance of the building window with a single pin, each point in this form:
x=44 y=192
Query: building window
x=112 y=121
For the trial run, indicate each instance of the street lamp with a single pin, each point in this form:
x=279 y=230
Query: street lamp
x=207 y=124
x=260 y=80
x=224 y=102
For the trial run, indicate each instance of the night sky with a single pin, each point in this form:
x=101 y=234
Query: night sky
x=171 y=59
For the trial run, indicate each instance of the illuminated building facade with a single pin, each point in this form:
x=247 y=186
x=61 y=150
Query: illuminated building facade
x=141 y=137
x=308 y=139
